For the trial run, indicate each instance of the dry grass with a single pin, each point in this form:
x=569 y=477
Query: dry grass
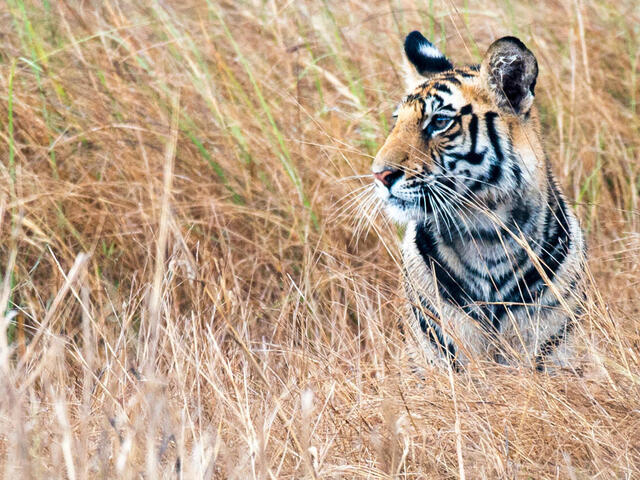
x=181 y=295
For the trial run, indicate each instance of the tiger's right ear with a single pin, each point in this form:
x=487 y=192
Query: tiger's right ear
x=509 y=71
x=424 y=55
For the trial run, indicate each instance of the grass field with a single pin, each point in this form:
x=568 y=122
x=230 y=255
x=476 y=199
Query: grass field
x=190 y=290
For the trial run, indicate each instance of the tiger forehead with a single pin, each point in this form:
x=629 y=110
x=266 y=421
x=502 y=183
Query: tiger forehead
x=458 y=77
x=449 y=91
x=428 y=93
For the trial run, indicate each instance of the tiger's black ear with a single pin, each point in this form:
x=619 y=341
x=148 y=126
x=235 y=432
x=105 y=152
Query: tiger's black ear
x=424 y=55
x=509 y=71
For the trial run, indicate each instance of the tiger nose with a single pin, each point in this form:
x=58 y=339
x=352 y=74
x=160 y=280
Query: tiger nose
x=388 y=176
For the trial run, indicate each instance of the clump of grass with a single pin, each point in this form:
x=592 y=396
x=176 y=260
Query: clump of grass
x=181 y=295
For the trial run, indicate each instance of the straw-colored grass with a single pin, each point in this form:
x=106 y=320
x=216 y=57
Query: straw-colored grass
x=183 y=294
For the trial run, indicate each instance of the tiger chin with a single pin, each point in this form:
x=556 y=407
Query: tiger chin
x=493 y=257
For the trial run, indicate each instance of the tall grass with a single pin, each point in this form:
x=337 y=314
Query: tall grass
x=183 y=295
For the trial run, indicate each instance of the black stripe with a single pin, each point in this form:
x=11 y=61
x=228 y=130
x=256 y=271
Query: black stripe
x=441 y=87
x=472 y=156
x=438 y=99
x=473 y=132
x=495 y=172
x=452 y=79
x=433 y=333
x=466 y=110
x=489 y=117
x=520 y=216
x=517 y=173
x=466 y=74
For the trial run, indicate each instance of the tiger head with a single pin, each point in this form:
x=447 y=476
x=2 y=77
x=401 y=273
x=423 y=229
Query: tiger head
x=463 y=136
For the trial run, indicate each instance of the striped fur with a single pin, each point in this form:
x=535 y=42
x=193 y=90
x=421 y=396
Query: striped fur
x=493 y=256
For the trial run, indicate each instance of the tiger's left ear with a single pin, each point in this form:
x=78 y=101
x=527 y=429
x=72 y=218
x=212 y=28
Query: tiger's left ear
x=509 y=71
x=424 y=55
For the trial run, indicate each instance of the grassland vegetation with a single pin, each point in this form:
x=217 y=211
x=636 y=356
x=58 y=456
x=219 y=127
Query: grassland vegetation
x=192 y=288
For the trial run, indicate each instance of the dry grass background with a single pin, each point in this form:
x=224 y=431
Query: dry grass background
x=183 y=295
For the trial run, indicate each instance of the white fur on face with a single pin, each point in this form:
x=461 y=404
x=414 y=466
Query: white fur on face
x=399 y=214
x=402 y=216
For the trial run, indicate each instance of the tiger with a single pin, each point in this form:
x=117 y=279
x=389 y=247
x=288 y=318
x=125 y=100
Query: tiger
x=493 y=258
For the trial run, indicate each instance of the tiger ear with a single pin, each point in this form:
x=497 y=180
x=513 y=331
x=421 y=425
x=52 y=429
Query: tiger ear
x=424 y=55
x=509 y=71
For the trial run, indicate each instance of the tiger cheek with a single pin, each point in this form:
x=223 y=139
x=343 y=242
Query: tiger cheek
x=437 y=147
x=419 y=161
x=419 y=166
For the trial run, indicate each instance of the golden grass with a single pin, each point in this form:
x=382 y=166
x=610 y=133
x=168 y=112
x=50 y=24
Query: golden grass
x=183 y=297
